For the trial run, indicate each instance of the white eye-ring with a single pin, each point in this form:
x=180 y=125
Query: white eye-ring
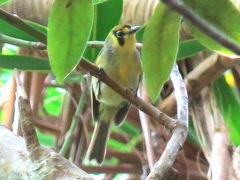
x=119 y=34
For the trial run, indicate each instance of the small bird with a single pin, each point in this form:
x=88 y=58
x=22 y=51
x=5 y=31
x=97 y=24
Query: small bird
x=120 y=59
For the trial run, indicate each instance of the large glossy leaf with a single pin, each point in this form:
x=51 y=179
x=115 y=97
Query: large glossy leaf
x=229 y=107
x=27 y=63
x=3 y=1
x=160 y=46
x=223 y=15
x=69 y=28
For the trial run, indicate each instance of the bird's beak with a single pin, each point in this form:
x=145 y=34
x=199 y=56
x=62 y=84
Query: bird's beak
x=134 y=29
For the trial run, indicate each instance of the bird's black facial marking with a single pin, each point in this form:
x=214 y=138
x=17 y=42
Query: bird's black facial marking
x=120 y=37
x=127 y=26
x=119 y=34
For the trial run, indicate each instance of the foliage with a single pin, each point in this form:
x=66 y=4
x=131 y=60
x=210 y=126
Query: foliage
x=68 y=31
x=226 y=23
x=229 y=107
x=160 y=48
x=73 y=23
x=3 y=1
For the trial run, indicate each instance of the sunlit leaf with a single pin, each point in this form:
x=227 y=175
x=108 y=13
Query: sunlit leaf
x=98 y=1
x=3 y=1
x=229 y=107
x=160 y=46
x=223 y=15
x=53 y=100
x=27 y=63
x=46 y=139
x=69 y=28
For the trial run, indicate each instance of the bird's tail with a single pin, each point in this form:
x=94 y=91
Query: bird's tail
x=97 y=147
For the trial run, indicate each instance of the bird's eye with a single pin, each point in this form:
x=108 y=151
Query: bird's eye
x=119 y=34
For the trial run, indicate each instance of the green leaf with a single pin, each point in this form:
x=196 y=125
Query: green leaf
x=13 y=31
x=229 y=107
x=223 y=15
x=104 y=21
x=69 y=28
x=3 y=1
x=105 y=18
x=53 y=100
x=46 y=139
x=98 y=1
x=130 y=129
x=27 y=63
x=188 y=48
x=161 y=38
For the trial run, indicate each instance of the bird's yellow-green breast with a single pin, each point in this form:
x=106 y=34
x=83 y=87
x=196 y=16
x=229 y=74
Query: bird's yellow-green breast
x=119 y=57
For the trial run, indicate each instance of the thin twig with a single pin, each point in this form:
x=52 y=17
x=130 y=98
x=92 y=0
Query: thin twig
x=99 y=44
x=69 y=135
x=20 y=24
x=203 y=25
x=20 y=42
x=41 y=46
x=145 y=123
x=174 y=145
x=26 y=116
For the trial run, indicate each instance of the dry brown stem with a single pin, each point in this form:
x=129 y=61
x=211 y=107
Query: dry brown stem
x=200 y=77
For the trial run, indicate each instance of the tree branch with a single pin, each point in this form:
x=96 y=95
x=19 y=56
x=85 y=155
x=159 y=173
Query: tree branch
x=203 y=25
x=145 y=123
x=20 y=24
x=174 y=145
x=20 y=42
x=35 y=162
x=26 y=116
x=15 y=162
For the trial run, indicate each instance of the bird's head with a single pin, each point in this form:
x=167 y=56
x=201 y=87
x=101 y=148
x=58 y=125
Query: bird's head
x=123 y=36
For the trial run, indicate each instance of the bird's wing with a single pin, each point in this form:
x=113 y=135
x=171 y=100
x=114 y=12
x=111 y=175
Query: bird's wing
x=95 y=106
x=121 y=114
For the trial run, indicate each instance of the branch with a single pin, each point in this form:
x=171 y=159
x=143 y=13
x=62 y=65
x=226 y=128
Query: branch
x=99 y=44
x=203 y=25
x=35 y=162
x=20 y=42
x=16 y=164
x=220 y=156
x=127 y=94
x=69 y=135
x=122 y=168
x=179 y=133
x=41 y=46
x=20 y=24
x=145 y=123
x=236 y=161
x=26 y=116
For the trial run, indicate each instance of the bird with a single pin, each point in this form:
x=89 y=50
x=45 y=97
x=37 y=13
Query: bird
x=119 y=59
